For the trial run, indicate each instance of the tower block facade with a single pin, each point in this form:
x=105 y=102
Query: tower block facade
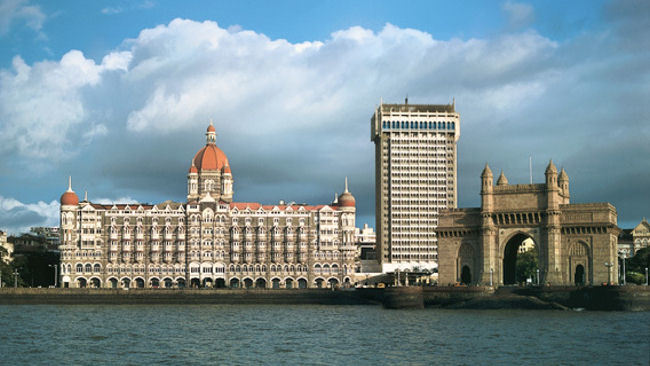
x=415 y=177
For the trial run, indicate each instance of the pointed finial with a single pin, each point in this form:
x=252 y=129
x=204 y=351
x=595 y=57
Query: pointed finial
x=486 y=171
x=336 y=197
x=86 y=196
x=69 y=183
x=346 y=185
x=502 y=181
x=551 y=167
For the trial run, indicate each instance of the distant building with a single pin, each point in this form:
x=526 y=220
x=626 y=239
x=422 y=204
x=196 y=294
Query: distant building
x=7 y=255
x=365 y=239
x=641 y=235
x=415 y=177
x=50 y=234
x=29 y=242
x=626 y=243
x=208 y=241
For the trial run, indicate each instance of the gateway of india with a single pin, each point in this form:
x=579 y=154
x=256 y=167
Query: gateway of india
x=208 y=241
x=576 y=244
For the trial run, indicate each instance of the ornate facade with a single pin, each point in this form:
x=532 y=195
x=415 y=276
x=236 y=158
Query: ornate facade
x=209 y=240
x=576 y=244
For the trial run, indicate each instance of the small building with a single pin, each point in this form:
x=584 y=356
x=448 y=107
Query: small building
x=641 y=235
x=7 y=253
x=365 y=240
x=625 y=243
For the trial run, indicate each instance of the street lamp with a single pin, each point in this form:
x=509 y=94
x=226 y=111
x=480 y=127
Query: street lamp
x=623 y=255
x=15 y=278
x=537 y=276
x=56 y=274
x=609 y=272
x=491 y=271
x=646 y=276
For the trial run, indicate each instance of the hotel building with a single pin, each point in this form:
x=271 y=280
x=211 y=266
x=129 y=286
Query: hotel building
x=208 y=241
x=415 y=177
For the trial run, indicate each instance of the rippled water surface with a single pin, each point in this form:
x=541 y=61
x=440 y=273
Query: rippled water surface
x=317 y=335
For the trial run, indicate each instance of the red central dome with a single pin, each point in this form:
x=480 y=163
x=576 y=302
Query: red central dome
x=69 y=199
x=210 y=157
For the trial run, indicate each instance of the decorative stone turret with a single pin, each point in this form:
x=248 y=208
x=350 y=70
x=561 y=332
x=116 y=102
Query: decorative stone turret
x=69 y=198
x=552 y=188
x=347 y=204
x=487 y=181
x=502 y=181
x=346 y=199
x=563 y=182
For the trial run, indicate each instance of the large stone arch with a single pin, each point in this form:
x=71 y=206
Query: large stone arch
x=509 y=248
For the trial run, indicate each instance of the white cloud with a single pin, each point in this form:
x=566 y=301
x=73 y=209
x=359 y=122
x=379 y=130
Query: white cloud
x=43 y=108
x=13 y=11
x=17 y=217
x=110 y=201
x=110 y=10
x=519 y=14
x=285 y=111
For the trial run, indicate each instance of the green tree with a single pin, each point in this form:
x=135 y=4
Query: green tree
x=635 y=266
x=526 y=265
x=640 y=261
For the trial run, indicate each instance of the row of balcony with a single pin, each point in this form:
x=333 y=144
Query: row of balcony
x=141 y=236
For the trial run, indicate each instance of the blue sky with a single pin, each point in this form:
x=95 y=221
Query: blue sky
x=118 y=95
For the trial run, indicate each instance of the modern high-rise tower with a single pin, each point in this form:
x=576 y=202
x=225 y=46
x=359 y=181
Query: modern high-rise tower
x=415 y=177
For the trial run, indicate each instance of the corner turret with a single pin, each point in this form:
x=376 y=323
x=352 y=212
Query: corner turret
x=552 y=189
x=487 y=181
x=563 y=181
x=502 y=181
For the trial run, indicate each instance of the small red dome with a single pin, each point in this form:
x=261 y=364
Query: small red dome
x=193 y=169
x=69 y=198
x=347 y=200
x=211 y=128
x=210 y=157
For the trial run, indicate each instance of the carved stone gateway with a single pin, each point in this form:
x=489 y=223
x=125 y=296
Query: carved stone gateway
x=575 y=243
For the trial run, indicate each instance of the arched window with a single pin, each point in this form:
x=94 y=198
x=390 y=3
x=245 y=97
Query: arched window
x=97 y=268
x=80 y=268
x=89 y=268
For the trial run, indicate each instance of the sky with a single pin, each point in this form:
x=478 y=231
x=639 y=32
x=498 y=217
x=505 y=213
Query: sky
x=117 y=94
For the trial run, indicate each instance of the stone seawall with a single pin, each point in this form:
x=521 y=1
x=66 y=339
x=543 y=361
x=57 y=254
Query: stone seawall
x=629 y=298
x=187 y=296
x=625 y=298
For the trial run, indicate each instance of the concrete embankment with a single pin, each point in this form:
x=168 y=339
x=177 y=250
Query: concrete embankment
x=186 y=296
